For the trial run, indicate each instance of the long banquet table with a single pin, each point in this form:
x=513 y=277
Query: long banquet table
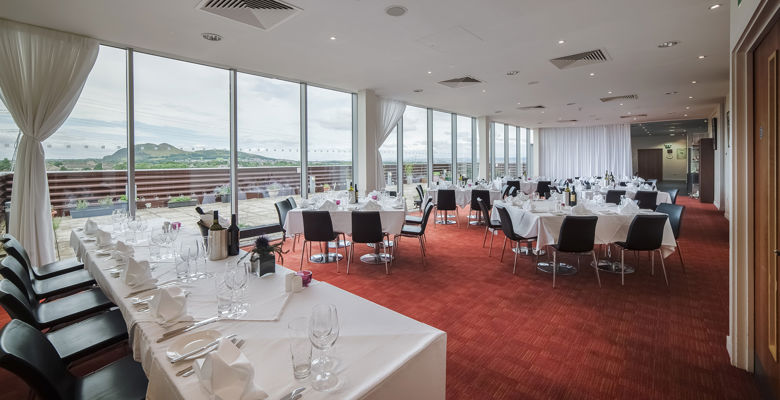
x=545 y=224
x=380 y=354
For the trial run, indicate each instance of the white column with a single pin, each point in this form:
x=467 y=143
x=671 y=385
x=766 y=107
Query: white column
x=368 y=112
x=483 y=138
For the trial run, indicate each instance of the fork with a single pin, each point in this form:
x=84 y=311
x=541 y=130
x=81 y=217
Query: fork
x=190 y=370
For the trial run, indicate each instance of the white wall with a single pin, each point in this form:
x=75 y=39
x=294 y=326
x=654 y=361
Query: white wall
x=674 y=169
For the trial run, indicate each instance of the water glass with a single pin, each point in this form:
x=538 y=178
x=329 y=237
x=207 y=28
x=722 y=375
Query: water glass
x=300 y=347
x=224 y=296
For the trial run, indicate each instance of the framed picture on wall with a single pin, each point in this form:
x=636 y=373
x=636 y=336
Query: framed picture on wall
x=682 y=154
x=714 y=133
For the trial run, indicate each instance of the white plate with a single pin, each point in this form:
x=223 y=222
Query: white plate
x=192 y=341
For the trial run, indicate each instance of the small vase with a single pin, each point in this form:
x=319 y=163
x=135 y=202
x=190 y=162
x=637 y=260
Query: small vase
x=263 y=264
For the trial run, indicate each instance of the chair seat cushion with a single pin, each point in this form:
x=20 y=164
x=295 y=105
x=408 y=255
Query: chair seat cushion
x=71 y=307
x=411 y=230
x=85 y=337
x=62 y=283
x=122 y=379
x=57 y=268
x=413 y=219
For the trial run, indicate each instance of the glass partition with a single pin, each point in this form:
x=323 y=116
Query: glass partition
x=465 y=136
x=511 y=154
x=415 y=151
x=498 y=156
x=523 y=138
x=442 y=146
x=389 y=152
x=329 y=124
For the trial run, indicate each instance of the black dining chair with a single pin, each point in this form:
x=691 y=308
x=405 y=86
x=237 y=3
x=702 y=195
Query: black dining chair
x=673 y=195
x=490 y=226
x=417 y=219
x=475 y=211
x=509 y=233
x=445 y=201
x=26 y=353
x=15 y=249
x=652 y=182
x=513 y=183
x=75 y=336
x=647 y=200
x=675 y=214
x=512 y=191
x=292 y=202
x=421 y=194
x=318 y=227
x=577 y=236
x=418 y=231
x=505 y=191
x=367 y=229
x=13 y=270
x=646 y=233
x=282 y=208
x=543 y=188
x=613 y=196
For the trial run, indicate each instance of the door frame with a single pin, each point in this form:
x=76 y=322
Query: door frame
x=661 y=165
x=740 y=342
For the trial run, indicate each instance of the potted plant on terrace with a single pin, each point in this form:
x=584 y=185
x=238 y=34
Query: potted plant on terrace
x=223 y=192
x=408 y=168
x=83 y=209
x=181 y=201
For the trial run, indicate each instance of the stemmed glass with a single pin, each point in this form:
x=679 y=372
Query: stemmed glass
x=184 y=256
x=236 y=276
x=203 y=248
x=323 y=333
x=195 y=257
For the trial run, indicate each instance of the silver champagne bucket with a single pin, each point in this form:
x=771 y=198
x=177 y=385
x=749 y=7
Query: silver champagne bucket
x=217 y=245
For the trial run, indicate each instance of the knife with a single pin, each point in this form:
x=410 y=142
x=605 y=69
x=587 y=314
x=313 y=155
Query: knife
x=179 y=331
x=199 y=349
x=295 y=394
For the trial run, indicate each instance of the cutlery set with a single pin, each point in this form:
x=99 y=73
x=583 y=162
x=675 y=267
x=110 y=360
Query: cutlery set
x=191 y=369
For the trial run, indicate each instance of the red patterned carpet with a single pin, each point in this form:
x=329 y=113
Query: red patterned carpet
x=513 y=337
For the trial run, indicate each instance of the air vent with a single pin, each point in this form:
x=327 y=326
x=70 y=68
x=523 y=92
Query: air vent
x=625 y=97
x=263 y=14
x=465 y=81
x=581 y=59
x=633 y=116
x=529 y=108
x=567 y=120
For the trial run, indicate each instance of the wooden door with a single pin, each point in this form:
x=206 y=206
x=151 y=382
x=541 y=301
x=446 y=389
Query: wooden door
x=766 y=148
x=651 y=163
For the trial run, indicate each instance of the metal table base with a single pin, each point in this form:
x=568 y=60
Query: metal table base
x=324 y=258
x=613 y=267
x=563 y=268
x=376 y=258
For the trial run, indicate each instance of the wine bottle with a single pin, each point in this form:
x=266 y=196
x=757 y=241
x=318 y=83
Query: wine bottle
x=573 y=197
x=356 y=194
x=567 y=194
x=199 y=210
x=232 y=236
x=215 y=226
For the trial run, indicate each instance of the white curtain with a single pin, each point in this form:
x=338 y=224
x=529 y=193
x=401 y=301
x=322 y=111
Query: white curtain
x=585 y=151
x=390 y=112
x=42 y=73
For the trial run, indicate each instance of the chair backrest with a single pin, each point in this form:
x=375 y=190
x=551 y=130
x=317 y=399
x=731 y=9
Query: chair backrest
x=543 y=188
x=506 y=222
x=317 y=226
x=505 y=191
x=282 y=208
x=292 y=202
x=515 y=184
x=512 y=191
x=26 y=353
x=366 y=227
x=646 y=199
x=16 y=304
x=613 y=196
x=479 y=194
x=426 y=216
x=646 y=232
x=622 y=184
x=16 y=250
x=675 y=214
x=673 y=195
x=578 y=234
x=445 y=199
x=392 y=193
x=485 y=212
x=12 y=270
x=420 y=192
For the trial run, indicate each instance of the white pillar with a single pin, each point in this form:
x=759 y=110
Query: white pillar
x=368 y=112
x=535 y=151
x=483 y=138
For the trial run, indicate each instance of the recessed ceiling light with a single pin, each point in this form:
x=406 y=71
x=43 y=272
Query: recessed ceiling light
x=621 y=104
x=430 y=72
x=610 y=92
x=634 y=118
x=693 y=82
x=396 y=11
x=483 y=90
x=561 y=41
x=701 y=57
x=685 y=115
x=542 y=112
x=511 y=73
x=671 y=134
x=211 y=36
x=690 y=97
x=592 y=74
x=687 y=108
x=332 y=38
x=418 y=90
x=670 y=43
x=629 y=113
x=714 y=7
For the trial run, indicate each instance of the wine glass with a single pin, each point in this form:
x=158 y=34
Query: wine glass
x=203 y=247
x=323 y=333
x=184 y=256
x=236 y=276
x=194 y=252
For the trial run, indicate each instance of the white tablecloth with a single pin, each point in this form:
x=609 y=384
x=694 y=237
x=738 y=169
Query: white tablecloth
x=392 y=221
x=381 y=354
x=663 y=197
x=463 y=196
x=546 y=226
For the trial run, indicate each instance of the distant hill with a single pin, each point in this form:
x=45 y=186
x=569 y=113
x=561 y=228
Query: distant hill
x=164 y=152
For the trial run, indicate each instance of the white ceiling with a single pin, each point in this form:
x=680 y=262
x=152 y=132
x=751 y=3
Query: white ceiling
x=484 y=39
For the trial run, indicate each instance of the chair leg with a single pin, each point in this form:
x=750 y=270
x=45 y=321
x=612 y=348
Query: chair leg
x=485 y=239
x=492 y=236
x=457 y=216
x=303 y=254
x=652 y=263
x=337 y=254
x=422 y=250
x=514 y=266
x=622 y=267
x=555 y=266
x=679 y=253
x=384 y=247
x=350 y=250
x=503 y=248
x=596 y=267
x=663 y=267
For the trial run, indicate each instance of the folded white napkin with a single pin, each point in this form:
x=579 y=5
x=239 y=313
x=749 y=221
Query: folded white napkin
x=103 y=238
x=580 y=209
x=122 y=250
x=529 y=206
x=208 y=218
x=137 y=274
x=169 y=304
x=227 y=374
x=371 y=205
x=90 y=227
x=328 y=205
x=629 y=208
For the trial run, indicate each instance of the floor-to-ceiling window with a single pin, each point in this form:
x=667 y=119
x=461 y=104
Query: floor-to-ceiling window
x=465 y=137
x=442 y=146
x=329 y=124
x=523 y=159
x=415 y=151
x=498 y=155
x=511 y=155
x=389 y=152
x=182 y=135
x=269 y=146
